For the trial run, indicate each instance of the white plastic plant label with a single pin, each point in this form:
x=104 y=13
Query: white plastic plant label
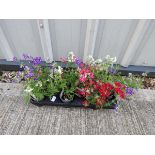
x=53 y=98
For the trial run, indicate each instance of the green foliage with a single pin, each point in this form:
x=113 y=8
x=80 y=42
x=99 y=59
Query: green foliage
x=133 y=81
x=70 y=75
x=46 y=81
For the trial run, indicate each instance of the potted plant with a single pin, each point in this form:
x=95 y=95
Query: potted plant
x=41 y=81
x=101 y=85
x=55 y=83
x=97 y=83
x=70 y=75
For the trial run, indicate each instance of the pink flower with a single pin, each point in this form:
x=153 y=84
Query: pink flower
x=82 y=79
x=74 y=58
x=82 y=93
x=81 y=64
x=92 y=75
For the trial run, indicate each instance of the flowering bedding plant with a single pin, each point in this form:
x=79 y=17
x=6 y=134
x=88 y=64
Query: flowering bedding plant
x=98 y=81
x=40 y=80
x=101 y=84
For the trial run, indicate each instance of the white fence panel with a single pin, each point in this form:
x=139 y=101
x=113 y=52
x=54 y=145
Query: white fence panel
x=67 y=35
x=131 y=41
x=22 y=36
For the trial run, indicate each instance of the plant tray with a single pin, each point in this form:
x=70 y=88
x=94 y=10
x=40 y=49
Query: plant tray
x=77 y=102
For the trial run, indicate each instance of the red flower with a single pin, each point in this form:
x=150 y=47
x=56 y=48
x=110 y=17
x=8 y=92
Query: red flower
x=109 y=86
x=105 y=90
x=120 y=93
x=96 y=85
x=119 y=89
x=91 y=87
x=117 y=84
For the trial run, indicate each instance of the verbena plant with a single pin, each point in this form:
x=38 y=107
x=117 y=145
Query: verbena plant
x=102 y=85
x=40 y=80
x=98 y=81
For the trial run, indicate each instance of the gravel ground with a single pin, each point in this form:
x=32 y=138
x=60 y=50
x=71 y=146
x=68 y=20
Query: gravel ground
x=149 y=83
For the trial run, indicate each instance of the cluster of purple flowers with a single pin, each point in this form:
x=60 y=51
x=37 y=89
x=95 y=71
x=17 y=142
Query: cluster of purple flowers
x=77 y=61
x=14 y=59
x=36 y=61
x=29 y=75
x=112 y=70
x=27 y=57
x=129 y=91
x=28 y=72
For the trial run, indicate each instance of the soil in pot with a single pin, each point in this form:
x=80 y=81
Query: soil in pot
x=64 y=98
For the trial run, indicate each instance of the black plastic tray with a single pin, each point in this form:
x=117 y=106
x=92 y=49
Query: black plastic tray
x=77 y=102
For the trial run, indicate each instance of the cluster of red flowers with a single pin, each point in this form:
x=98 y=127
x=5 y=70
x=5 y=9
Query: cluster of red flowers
x=120 y=89
x=98 y=91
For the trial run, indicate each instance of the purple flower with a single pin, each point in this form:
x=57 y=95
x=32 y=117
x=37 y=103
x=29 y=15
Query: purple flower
x=77 y=61
x=26 y=56
x=14 y=59
x=26 y=68
x=112 y=70
x=29 y=75
x=116 y=107
x=129 y=91
x=18 y=74
x=35 y=79
x=28 y=72
x=37 y=61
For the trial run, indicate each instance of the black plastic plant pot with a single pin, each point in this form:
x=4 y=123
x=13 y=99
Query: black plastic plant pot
x=64 y=100
x=77 y=102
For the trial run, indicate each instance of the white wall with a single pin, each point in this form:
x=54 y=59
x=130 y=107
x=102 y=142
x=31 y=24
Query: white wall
x=131 y=41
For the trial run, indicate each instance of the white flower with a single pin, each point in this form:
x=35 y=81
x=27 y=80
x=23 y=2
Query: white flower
x=98 y=61
x=71 y=53
x=48 y=60
x=21 y=65
x=90 y=59
x=70 y=56
x=114 y=59
x=39 y=83
x=107 y=57
x=58 y=70
x=110 y=59
x=130 y=74
x=144 y=74
x=28 y=89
